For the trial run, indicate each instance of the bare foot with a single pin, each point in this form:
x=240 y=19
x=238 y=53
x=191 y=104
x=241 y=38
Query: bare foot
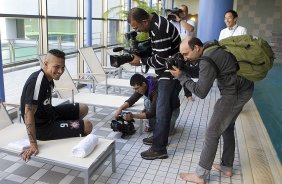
x=191 y=178
x=226 y=173
x=190 y=98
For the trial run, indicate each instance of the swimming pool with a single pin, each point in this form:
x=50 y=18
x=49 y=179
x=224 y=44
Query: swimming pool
x=268 y=99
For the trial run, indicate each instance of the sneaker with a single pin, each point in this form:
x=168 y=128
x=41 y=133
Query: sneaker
x=148 y=140
x=150 y=154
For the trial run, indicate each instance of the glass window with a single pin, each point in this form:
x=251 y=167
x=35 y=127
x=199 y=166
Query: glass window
x=96 y=8
x=66 y=8
x=116 y=12
x=96 y=33
x=113 y=32
x=19 y=7
x=19 y=39
x=62 y=35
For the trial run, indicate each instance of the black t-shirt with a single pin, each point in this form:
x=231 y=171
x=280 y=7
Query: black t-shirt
x=38 y=91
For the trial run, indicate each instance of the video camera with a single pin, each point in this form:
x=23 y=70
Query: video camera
x=125 y=127
x=172 y=13
x=143 y=50
x=178 y=61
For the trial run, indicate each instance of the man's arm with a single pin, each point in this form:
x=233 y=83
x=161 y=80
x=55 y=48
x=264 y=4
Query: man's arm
x=128 y=103
x=145 y=115
x=129 y=116
x=207 y=75
x=122 y=107
x=187 y=26
x=31 y=132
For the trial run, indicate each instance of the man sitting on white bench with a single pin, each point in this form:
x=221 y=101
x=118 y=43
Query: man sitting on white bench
x=42 y=120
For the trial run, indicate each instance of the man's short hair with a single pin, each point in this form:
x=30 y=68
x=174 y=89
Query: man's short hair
x=194 y=41
x=57 y=53
x=137 y=79
x=185 y=7
x=234 y=13
x=137 y=14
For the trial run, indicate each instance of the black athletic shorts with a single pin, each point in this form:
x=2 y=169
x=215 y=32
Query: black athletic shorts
x=67 y=124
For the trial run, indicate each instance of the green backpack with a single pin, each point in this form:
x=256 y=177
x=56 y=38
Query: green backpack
x=254 y=55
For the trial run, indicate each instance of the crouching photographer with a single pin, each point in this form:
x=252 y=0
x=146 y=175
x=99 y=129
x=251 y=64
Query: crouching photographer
x=147 y=87
x=139 y=48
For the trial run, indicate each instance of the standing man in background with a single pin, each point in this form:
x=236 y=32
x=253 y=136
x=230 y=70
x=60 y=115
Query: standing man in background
x=184 y=25
x=232 y=29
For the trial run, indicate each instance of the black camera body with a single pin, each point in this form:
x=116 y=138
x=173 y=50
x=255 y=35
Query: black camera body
x=178 y=61
x=172 y=13
x=141 y=50
x=125 y=127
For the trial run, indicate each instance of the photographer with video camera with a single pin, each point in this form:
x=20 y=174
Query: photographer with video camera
x=165 y=42
x=148 y=88
x=139 y=48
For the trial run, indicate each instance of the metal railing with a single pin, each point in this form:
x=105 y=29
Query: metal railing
x=17 y=51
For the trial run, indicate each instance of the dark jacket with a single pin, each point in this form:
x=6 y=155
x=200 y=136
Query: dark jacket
x=229 y=83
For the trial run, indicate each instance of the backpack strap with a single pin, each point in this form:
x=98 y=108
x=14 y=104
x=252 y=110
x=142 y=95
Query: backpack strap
x=210 y=60
x=209 y=45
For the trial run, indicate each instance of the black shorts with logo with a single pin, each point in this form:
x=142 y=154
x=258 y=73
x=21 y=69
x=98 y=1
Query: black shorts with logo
x=67 y=124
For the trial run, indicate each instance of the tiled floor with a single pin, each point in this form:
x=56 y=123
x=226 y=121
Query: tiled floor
x=184 y=149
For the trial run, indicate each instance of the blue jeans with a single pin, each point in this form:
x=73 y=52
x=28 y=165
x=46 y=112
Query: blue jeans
x=152 y=121
x=168 y=91
x=147 y=105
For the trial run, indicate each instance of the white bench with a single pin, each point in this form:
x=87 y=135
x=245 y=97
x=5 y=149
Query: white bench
x=57 y=152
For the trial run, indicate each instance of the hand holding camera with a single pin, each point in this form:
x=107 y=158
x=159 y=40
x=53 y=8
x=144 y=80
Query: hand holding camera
x=128 y=116
x=135 y=61
x=175 y=71
x=176 y=64
x=126 y=127
x=174 y=14
x=135 y=52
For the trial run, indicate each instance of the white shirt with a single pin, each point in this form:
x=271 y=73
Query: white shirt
x=182 y=31
x=234 y=31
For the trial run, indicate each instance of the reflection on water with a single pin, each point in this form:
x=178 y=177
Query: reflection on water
x=267 y=97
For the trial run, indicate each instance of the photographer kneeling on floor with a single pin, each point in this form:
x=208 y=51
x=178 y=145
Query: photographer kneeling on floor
x=147 y=87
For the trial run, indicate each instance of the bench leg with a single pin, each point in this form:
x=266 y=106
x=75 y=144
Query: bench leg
x=86 y=177
x=114 y=159
x=141 y=126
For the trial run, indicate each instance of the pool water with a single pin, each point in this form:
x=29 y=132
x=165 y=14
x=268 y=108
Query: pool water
x=268 y=99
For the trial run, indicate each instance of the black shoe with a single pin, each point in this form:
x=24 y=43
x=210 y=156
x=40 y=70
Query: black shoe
x=148 y=140
x=150 y=154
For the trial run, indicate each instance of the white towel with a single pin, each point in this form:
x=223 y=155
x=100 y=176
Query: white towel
x=19 y=145
x=85 y=146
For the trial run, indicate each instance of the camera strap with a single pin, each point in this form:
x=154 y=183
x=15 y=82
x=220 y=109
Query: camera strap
x=144 y=68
